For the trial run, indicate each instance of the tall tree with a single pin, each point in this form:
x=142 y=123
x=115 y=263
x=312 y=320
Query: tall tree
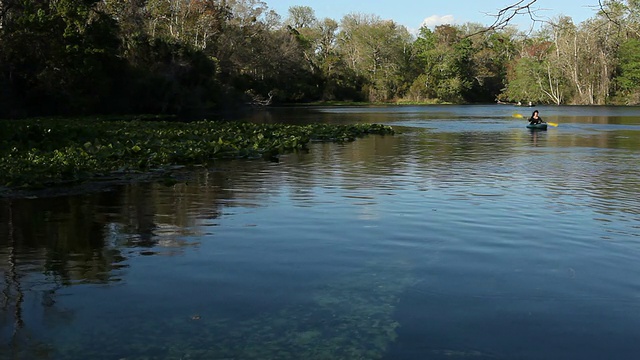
x=535 y=76
x=446 y=57
x=375 y=50
x=491 y=52
x=301 y=17
x=58 y=56
x=627 y=81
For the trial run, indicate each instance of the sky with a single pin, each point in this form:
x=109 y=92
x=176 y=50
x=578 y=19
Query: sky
x=415 y=13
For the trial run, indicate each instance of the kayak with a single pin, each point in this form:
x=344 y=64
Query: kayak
x=542 y=126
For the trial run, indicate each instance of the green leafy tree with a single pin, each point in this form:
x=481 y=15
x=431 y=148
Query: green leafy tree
x=535 y=77
x=627 y=82
x=375 y=50
x=446 y=59
x=301 y=17
x=492 y=52
x=58 y=56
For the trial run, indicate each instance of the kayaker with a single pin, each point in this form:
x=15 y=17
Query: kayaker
x=535 y=118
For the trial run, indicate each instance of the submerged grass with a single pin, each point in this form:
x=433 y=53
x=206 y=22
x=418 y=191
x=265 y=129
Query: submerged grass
x=38 y=153
x=347 y=318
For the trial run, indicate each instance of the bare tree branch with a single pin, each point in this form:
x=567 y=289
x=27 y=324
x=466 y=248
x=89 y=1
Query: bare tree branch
x=608 y=14
x=505 y=15
x=611 y=17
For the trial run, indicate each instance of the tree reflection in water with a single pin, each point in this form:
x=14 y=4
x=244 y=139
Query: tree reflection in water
x=47 y=244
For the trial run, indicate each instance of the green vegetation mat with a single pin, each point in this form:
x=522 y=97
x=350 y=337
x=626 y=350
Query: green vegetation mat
x=39 y=153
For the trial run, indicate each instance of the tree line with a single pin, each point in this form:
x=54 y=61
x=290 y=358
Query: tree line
x=62 y=57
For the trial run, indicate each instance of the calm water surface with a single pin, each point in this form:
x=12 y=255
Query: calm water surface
x=463 y=236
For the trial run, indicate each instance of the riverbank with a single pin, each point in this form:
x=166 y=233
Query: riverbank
x=369 y=103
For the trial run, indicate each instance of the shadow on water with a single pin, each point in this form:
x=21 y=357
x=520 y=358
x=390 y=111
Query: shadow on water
x=49 y=244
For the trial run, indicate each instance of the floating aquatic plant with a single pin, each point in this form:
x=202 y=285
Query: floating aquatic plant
x=45 y=152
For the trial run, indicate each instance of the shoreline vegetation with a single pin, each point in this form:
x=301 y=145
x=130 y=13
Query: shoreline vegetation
x=371 y=103
x=45 y=154
x=78 y=58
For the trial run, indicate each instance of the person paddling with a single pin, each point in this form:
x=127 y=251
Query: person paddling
x=535 y=118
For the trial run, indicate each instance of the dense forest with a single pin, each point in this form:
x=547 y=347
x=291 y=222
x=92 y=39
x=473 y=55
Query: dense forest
x=72 y=57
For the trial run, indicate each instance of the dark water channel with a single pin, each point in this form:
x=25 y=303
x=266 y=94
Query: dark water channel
x=463 y=236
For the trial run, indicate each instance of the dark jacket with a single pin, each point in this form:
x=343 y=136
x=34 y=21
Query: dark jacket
x=535 y=121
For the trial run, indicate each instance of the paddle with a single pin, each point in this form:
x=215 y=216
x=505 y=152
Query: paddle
x=520 y=116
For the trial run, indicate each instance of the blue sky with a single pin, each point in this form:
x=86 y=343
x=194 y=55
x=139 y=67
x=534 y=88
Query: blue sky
x=413 y=13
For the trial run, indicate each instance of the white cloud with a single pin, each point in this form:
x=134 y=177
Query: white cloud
x=435 y=20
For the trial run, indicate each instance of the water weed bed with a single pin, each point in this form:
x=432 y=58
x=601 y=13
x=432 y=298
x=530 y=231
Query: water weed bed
x=37 y=153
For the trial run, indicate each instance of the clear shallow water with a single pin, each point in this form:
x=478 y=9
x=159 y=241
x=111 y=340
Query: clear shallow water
x=465 y=235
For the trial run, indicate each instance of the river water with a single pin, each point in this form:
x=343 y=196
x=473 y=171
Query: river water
x=464 y=235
